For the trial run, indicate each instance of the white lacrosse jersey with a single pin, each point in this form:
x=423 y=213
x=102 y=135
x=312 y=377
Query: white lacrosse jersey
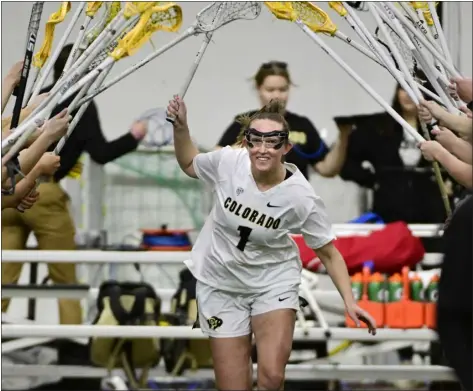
x=245 y=245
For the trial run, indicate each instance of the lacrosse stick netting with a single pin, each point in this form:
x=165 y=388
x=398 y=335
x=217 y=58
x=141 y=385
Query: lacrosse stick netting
x=203 y=24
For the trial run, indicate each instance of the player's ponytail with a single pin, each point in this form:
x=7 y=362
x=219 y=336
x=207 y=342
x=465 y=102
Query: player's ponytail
x=273 y=111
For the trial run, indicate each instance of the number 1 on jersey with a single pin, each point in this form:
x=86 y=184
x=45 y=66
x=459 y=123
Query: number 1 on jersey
x=244 y=237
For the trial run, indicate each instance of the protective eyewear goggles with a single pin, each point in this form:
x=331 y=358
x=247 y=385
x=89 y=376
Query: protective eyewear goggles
x=274 y=139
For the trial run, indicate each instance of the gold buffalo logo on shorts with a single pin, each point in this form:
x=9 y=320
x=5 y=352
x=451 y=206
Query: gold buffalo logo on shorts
x=214 y=322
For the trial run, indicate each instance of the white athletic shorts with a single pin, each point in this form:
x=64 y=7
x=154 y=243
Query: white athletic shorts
x=228 y=314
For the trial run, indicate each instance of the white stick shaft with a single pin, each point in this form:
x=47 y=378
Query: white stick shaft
x=135 y=67
x=422 y=40
x=74 y=50
x=375 y=46
x=441 y=36
x=407 y=83
x=30 y=86
x=50 y=63
x=429 y=72
x=413 y=132
x=195 y=65
x=411 y=40
x=373 y=57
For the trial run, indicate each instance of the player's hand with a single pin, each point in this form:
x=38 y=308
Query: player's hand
x=430 y=149
x=430 y=109
x=56 y=127
x=37 y=100
x=463 y=86
x=358 y=314
x=445 y=137
x=467 y=111
x=177 y=110
x=14 y=74
x=139 y=129
x=28 y=201
x=49 y=164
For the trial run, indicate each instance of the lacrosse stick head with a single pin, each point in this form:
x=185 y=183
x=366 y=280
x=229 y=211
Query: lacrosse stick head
x=311 y=15
x=338 y=7
x=133 y=8
x=113 y=10
x=220 y=13
x=92 y=8
x=282 y=10
x=166 y=17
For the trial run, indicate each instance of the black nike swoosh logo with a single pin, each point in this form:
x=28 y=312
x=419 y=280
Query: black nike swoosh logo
x=272 y=206
x=284 y=298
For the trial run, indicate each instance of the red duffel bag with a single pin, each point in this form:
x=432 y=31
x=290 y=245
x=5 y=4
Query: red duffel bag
x=390 y=249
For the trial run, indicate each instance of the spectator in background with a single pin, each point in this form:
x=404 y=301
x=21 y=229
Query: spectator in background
x=273 y=81
x=49 y=218
x=403 y=183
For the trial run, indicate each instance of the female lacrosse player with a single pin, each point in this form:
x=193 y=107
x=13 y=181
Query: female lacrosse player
x=273 y=81
x=247 y=267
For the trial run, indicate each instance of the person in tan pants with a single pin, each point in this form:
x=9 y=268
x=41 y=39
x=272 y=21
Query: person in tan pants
x=49 y=218
x=54 y=229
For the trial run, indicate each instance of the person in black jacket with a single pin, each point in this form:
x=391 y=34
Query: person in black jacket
x=383 y=157
x=272 y=81
x=49 y=218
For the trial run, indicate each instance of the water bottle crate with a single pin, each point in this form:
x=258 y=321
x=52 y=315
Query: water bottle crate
x=395 y=302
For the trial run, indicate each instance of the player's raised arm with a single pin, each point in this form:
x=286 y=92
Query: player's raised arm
x=184 y=148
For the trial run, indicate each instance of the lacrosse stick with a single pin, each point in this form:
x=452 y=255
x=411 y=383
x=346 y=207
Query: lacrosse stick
x=416 y=49
x=124 y=19
x=340 y=9
x=111 y=11
x=44 y=74
x=303 y=14
x=91 y=9
x=438 y=28
x=415 y=95
x=13 y=166
x=199 y=56
x=44 y=52
x=20 y=91
x=233 y=11
x=402 y=19
x=422 y=17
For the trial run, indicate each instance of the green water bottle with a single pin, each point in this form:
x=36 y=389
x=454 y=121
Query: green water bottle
x=357 y=286
x=395 y=288
x=433 y=289
x=376 y=288
x=417 y=289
